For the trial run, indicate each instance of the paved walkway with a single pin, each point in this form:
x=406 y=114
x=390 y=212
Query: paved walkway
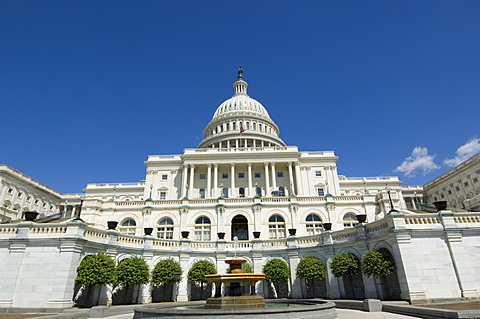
x=341 y=314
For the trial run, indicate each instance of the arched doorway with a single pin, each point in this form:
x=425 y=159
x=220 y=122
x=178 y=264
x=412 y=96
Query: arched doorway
x=240 y=227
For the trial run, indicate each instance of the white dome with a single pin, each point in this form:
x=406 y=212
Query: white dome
x=238 y=103
x=243 y=115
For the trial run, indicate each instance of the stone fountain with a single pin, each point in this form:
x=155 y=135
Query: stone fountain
x=239 y=288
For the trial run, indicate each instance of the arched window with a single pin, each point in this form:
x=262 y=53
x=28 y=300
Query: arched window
x=241 y=192
x=349 y=220
x=165 y=228
x=258 y=191
x=276 y=227
x=225 y=192
x=314 y=224
x=128 y=226
x=202 y=228
x=202 y=193
x=281 y=191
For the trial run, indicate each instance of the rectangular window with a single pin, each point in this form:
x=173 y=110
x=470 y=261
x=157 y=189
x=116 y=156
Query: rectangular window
x=202 y=176
x=321 y=192
x=279 y=174
x=163 y=195
x=164 y=177
x=258 y=175
x=318 y=173
x=475 y=179
x=225 y=175
x=241 y=175
x=466 y=184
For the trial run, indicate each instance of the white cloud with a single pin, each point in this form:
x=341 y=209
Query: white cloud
x=419 y=160
x=464 y=152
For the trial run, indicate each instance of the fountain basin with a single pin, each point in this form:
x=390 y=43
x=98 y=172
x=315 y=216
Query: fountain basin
x=294 y=308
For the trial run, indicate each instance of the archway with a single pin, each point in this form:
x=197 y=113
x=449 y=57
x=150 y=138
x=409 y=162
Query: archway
x=240 y=227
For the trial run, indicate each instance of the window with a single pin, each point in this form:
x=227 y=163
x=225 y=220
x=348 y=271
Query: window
x=241 y=175
x=10 y=190
x=314 y=224
x=320 y=191
x=165 y=228
x=466 y=184
x=318 y=173
x=164 y=177
x=128 y=227
x=258 y=191
x=19 y=195
x=258 y=175
x=163 y=195
x=475 y=179
x=225 y=192
x=279 y=174
x=202 y=228
x=457 y=188
x=281 y=191
x=224 y=175
x=449 y=192
x=28 y=198
x=276 y=227
x=241 y=192
x=349 y=220
x=202 y=193
x=202 y=176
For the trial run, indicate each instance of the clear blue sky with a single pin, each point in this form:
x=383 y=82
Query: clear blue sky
x=89 y=89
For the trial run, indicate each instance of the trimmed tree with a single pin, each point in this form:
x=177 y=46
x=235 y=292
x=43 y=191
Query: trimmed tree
x=132 y=272
x=247 y=268
x=277 y=272
x=380 y=264
x=311 y=268
x=166 y=274
x=345 y=265
x=196 y=274
x=95 y=271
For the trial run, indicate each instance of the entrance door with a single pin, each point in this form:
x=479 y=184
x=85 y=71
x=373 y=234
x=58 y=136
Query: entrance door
x=240 y=227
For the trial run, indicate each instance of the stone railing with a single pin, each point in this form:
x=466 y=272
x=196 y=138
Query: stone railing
x=141 y=243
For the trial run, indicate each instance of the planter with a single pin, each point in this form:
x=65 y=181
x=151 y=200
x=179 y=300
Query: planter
x=112 y=224
x=361 y=218
x=221 y=235
x=440 y=205
x=292 y=231
x=148 y=231
x=256 y=234
x=327 y=226
x=30 y=216
x=185 y=234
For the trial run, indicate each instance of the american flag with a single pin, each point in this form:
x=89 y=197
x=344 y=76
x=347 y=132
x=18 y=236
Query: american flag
x=242 y=130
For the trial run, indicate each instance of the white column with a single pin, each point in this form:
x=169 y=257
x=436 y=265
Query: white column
x=250 y=191
x=232 y=180
x=215 y=180
x=290 y=179
x=298 y=179
x=267 y=182
x=183 y=190
x=192 y=175
x=209 y=181
x=274 y=177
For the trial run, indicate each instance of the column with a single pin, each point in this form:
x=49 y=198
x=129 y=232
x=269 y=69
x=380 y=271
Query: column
x=209 y=181
x=274 y=177
x=192 y=175
x=250 y=192
x=184 y=181
x=215 y=180
x=290 y=179
x=267 y=182
x=232 y=179
x=298 y=179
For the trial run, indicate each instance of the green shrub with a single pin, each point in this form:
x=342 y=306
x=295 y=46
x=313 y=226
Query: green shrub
x=167 y=271
x=199 y=270
x=96 y=270
x=345 y=264
x=310 y=268
x=132 y=271
x=276 y=269
x=378 y=263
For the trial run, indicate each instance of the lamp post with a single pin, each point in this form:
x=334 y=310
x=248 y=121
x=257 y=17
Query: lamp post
x=82 y=198
x=390 y=199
